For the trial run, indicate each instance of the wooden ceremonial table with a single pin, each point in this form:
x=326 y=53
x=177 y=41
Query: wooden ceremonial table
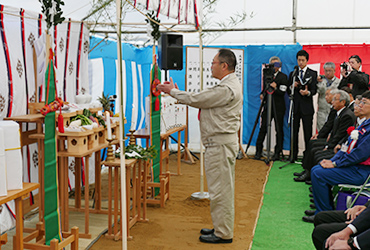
x=133 y=196
x=63 y=182
x=18 y=196
x=164 y=153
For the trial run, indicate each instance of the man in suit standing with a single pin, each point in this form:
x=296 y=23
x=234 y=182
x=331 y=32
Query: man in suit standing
x=278 y=87
x=328 y=81
x=304 y=88
x=351 y=165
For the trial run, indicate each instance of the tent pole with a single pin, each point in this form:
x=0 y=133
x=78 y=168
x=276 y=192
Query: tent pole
x=294 y=21
x=122 y=129
x=201 y=195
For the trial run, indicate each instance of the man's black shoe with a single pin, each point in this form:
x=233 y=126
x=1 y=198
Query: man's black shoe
x=257 y=156
x=312 y=206
x=312 y=201
x=310 y=212
x=308 y=182
x=311 y=195
x=276 y=156
x=206 y=231
x=310 y=188
x=212 y=238
x=299 y=173
x=308 y=218
x=303 y=177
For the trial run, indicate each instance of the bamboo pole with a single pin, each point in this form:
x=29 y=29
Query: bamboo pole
x=122 y=129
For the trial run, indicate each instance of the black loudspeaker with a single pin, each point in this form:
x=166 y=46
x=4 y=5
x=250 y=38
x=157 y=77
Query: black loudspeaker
x=170 y=52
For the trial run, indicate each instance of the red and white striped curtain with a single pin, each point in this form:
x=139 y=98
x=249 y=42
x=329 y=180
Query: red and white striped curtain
x=185 y=11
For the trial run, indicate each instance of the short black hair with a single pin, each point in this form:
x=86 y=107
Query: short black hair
x=227 y=56
x=366 y=94
x=356 y=57
x=347 y=89
x=303 y=53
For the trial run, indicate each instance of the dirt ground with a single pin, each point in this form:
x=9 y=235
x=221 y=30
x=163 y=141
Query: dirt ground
x=177 y=225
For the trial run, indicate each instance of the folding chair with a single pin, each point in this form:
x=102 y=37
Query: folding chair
x=361 y=188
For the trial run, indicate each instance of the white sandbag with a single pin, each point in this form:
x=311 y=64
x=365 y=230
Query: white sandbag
x=13 y=156
x=3 y=184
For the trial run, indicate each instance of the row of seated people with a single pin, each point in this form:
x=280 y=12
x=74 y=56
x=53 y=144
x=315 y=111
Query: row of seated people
x=347 y=161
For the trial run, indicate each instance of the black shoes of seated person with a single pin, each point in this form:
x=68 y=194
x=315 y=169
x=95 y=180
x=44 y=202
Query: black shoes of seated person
x=304 y=177
x=299 y=173
x=309 y=219
x=310 y=212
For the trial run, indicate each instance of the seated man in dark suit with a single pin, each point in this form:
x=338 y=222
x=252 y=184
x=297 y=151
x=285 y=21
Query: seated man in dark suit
x=344 y=118
x=351 y=165
x=360 y=118
x=359 y=228
x=329 y=222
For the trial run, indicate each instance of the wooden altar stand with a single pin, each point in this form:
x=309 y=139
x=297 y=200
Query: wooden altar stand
x=165 y=141
x=134 y=196
x=19 y=241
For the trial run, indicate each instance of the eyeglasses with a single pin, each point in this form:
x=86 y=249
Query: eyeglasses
x=216 y=62
x=364 y=103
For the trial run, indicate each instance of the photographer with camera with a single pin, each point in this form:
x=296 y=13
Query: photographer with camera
x=352 y=76
x=275 y=84
x=302 y=90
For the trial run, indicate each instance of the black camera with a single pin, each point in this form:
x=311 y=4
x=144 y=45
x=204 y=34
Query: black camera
x=268 y=72
x=345 y=66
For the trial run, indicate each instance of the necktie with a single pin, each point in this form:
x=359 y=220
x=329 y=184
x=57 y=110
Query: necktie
x=301 y=74
x=328 y=83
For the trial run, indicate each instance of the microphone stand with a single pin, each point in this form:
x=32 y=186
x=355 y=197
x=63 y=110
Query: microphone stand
x=291 y=118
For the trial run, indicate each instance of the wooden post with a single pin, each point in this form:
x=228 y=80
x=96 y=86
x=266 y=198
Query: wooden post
x=97 y=181
x=87 y=195
x=109 y=201
x=18 y=244
x=77 y=182
x=74 y=244
x=54 y=244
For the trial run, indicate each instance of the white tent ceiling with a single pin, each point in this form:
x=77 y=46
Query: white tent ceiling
x=265 y=14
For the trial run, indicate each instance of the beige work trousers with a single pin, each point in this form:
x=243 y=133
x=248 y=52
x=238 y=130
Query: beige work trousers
x=219 y=165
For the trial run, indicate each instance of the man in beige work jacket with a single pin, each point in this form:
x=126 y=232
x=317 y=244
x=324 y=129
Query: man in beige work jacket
x=219 y=123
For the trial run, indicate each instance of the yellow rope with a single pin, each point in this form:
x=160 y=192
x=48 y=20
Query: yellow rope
x=9 y=149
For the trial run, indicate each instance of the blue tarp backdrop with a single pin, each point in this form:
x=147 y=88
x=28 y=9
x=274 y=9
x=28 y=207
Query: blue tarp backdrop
x=254 y=57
